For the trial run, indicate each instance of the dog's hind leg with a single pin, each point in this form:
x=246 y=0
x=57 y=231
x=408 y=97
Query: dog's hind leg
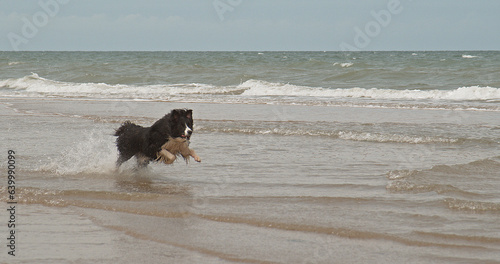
x=142 y=161
x=121 y=159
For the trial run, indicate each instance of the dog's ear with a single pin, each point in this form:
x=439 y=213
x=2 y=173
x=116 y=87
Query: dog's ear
x=189 y=114
x=175 y=115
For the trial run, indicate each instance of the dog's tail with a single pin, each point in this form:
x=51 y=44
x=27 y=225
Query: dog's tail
x=124 y=127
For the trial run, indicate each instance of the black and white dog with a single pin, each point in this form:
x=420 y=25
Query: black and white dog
x=146 y=142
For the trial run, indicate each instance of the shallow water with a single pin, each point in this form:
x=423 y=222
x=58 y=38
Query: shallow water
x=277 y=184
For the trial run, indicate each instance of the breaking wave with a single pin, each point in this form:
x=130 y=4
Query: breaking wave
x=262 y=88
x=34 y=85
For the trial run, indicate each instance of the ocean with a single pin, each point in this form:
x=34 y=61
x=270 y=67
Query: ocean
x=307 y=157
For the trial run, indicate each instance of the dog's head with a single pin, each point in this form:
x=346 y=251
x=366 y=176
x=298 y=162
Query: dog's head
x=181 y=121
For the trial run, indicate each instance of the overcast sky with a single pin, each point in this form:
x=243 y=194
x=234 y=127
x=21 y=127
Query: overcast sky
x=249 y=25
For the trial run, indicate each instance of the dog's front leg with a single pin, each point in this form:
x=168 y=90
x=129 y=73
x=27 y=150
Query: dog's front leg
x=194 y=155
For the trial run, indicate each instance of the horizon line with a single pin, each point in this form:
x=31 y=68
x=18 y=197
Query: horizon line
x=437 y=50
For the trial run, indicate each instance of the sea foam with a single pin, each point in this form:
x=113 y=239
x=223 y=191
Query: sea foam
x=263 y=88
x=34 y=85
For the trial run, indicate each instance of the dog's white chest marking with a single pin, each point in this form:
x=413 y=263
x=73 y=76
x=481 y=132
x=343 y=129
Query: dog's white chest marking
x=187 y=130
